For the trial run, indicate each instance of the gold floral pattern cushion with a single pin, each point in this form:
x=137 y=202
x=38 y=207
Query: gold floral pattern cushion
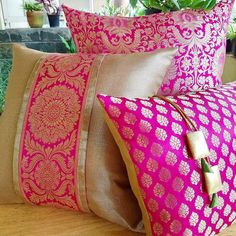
x=198 y=35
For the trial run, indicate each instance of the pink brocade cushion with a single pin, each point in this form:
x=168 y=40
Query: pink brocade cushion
x=166 y=181
x=198 y=35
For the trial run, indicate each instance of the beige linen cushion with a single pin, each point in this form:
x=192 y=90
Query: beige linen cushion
x=109 y=194
x=108 y=189
x=23 y=63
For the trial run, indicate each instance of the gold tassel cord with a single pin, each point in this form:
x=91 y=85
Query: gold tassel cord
x=196 y=138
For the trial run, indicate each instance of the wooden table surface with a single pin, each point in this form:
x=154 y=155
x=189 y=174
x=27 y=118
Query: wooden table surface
x=24 y=220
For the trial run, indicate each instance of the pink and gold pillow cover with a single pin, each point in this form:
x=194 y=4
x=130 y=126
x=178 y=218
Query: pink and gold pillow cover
x=199 y=36
x=64 y=154
x=166 y=181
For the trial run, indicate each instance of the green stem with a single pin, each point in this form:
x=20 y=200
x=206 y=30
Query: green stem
x=206 y=166
x=214 y=200
x=143 y=4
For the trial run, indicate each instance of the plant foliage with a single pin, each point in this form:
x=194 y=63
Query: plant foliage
x=231 y=34
x=174 y=5
x=109 y=9
x=32 y=6
x=69 y=44
x=4 y=72
x=3 y=86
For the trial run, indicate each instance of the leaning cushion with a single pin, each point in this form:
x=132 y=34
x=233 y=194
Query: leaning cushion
x=64 y=154
x=198 y=35
x=166 y=180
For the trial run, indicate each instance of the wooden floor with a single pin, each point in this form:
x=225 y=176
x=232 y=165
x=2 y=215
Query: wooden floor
x=24 y=220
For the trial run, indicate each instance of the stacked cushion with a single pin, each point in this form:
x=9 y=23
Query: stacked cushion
x=167 y=182
x=198 y=35
x=59 y=121
x=64 y=155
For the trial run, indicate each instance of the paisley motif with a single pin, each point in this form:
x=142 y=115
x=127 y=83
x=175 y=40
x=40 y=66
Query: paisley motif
x=164 y=177
x=49 y=143
x=198 y=35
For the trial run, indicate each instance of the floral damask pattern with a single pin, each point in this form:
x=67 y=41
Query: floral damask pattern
x=54 y=114
x=170 y=181
x=198 y=35
x=50 y=136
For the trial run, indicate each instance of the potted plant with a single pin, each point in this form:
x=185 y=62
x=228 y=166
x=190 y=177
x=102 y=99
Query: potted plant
x=52 y=8
x=35 y=14
x=231 y=39
x=112 y=9
x=154 y=6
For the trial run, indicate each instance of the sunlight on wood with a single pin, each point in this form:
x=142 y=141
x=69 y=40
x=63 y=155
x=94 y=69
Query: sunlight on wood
x=28 y=220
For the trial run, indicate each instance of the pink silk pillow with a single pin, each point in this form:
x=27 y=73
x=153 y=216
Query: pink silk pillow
x=198 y=35
x=167 y=183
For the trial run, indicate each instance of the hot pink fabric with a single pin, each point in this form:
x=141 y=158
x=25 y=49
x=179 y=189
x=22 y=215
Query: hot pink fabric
x=170 y=181
x=198 y=35
x=49 y=152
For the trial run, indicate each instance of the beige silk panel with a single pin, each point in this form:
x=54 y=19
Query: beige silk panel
x=108 y=189
x=24 y=61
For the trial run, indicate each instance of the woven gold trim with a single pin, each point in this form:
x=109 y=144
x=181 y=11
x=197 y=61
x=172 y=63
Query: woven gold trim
x=20 y=125
x=83 y=138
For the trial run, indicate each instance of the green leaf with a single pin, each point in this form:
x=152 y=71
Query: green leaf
x=198 y=4
x=205 y=166
x=173 y=5
x=133 y=3
x=157 y=5
x=210 y=4
x=32 y=6
x=72 y=47
x=140 y=11
x=185 y=3
x=231 y=34
x=66 y=44
x=153 y=3
x=214 y=200
x=69 y=44
x=176 y=4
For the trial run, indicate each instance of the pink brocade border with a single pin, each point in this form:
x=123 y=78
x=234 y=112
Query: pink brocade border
x=51 y=132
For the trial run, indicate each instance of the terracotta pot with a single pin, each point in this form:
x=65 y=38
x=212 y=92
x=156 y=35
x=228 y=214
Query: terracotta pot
x=35 y=18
